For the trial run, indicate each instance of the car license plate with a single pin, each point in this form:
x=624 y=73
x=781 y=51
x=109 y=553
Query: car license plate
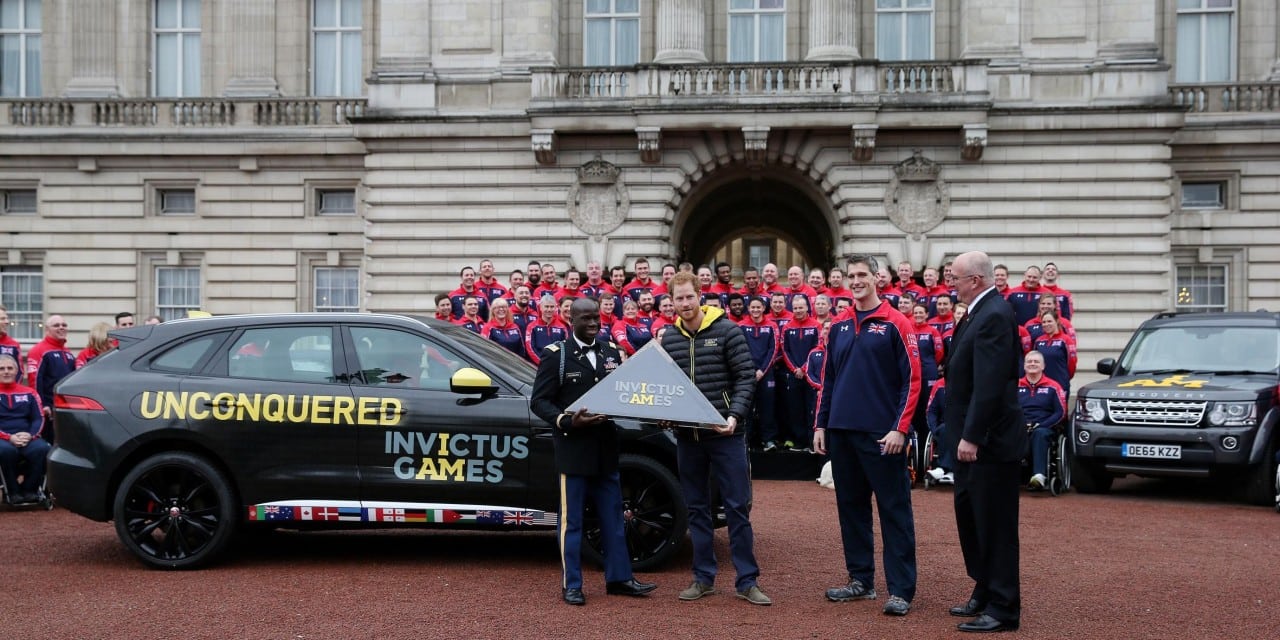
x=1162 y=451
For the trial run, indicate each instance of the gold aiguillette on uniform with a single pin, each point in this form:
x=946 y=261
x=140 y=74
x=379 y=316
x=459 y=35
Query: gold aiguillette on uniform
x=650 y=386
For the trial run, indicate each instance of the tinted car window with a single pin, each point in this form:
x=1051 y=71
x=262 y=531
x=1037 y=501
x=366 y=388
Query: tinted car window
x=1204 y=348
x=509 y=363
x=289 y=354
x=391 y=357
x=185 y=356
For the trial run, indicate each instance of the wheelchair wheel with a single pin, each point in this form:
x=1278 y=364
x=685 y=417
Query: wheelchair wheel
x=927 y=455
x=1064 y=462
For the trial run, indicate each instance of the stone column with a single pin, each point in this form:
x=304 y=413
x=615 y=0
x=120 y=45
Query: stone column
x=681 y=32
x=1275 y=66
x=249 y=27
x=833 y=30
x=1127 y=31
x=93 y=48
x=991 y=29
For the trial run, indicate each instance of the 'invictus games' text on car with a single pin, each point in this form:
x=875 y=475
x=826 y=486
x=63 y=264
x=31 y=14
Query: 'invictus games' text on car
x=1192 y=395
x=196 y=428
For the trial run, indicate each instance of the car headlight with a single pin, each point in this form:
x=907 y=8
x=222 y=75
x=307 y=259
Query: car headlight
x=1090 y=409
x=1233 y=414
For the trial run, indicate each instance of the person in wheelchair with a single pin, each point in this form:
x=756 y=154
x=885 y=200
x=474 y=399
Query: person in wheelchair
x=20 y=423
x=941 y=472
x=1043 y=405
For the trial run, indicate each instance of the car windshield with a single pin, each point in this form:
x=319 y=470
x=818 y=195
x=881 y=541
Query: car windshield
x=507 y=362
x=1203 y=349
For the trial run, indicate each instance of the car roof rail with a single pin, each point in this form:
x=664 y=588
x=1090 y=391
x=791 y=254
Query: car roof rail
x=1165 y=314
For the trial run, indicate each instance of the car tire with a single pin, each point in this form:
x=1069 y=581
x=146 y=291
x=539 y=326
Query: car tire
x=655 y=518
x=1089 y=477
x=1260 y=484
x=175 y=511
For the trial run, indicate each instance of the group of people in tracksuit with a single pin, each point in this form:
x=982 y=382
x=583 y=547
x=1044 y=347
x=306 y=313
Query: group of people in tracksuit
x=784 y=320
x=850 y=372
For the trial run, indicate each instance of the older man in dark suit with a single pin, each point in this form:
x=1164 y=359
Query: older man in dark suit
x=989 y=438
x=586 y=447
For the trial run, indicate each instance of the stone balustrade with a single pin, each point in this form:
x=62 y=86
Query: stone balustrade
x=1225 y=97
x=180 y=112
x=799 y=80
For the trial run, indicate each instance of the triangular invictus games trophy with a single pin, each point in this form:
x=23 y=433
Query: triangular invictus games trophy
x=650 y=386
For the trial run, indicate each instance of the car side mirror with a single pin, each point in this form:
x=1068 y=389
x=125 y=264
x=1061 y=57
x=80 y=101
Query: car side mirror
x=470 y=381
x=1106 y=366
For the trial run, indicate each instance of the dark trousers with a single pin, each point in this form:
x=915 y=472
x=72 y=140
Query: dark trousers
x=859 y=469
x=606 y=493
x=946 y=455
x=782 y=400
x=1041 y=438
x=725 y=459
x=986 y=502
x=764 y=426
x=35 y=453
x=801 y=398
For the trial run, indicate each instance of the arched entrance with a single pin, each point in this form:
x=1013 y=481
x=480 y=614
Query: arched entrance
x=751 y=217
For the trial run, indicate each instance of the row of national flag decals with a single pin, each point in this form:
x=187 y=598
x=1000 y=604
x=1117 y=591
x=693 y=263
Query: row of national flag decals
x=517 y=517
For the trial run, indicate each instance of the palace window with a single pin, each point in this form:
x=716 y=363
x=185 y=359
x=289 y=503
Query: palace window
x=177 y=291
x=19 y=48
x=1200 y=287
x=612 y=33
x=1206 y=41
x=177 y=49
x=336 y=48
x=757 y=30
x=22 y=293
x=904 y=29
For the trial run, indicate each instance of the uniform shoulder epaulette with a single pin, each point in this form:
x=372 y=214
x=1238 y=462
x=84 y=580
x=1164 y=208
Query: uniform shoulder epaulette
x=611 y=345
x=552 y=348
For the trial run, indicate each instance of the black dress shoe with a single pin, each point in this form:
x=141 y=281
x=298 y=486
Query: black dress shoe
x=575 y=597
x=969 y=609
x=629 y=588
x=986 y=624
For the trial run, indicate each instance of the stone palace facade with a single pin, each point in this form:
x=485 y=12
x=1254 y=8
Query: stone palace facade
x=284 y=155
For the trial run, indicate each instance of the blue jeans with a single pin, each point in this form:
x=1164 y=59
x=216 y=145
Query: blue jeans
x=725 y=459
x=607 y=493
x=859 y=469
x=36 y=453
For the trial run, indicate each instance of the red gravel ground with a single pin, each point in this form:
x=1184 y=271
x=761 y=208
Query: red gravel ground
x=1154 y=560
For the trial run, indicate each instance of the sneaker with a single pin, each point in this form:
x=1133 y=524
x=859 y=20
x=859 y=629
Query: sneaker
x=936 y=473
x=1037 y=482
x=947 y=478
x=755 y=596
x=790 y=445
x=770 y=446
x=855 y=590
x=697 y=590
x=896 y=606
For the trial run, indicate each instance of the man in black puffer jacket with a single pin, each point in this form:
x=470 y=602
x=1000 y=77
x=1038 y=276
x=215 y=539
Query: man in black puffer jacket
x=713 y=352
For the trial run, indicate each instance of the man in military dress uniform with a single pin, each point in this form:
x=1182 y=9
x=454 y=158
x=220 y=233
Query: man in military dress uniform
x=586 y=447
